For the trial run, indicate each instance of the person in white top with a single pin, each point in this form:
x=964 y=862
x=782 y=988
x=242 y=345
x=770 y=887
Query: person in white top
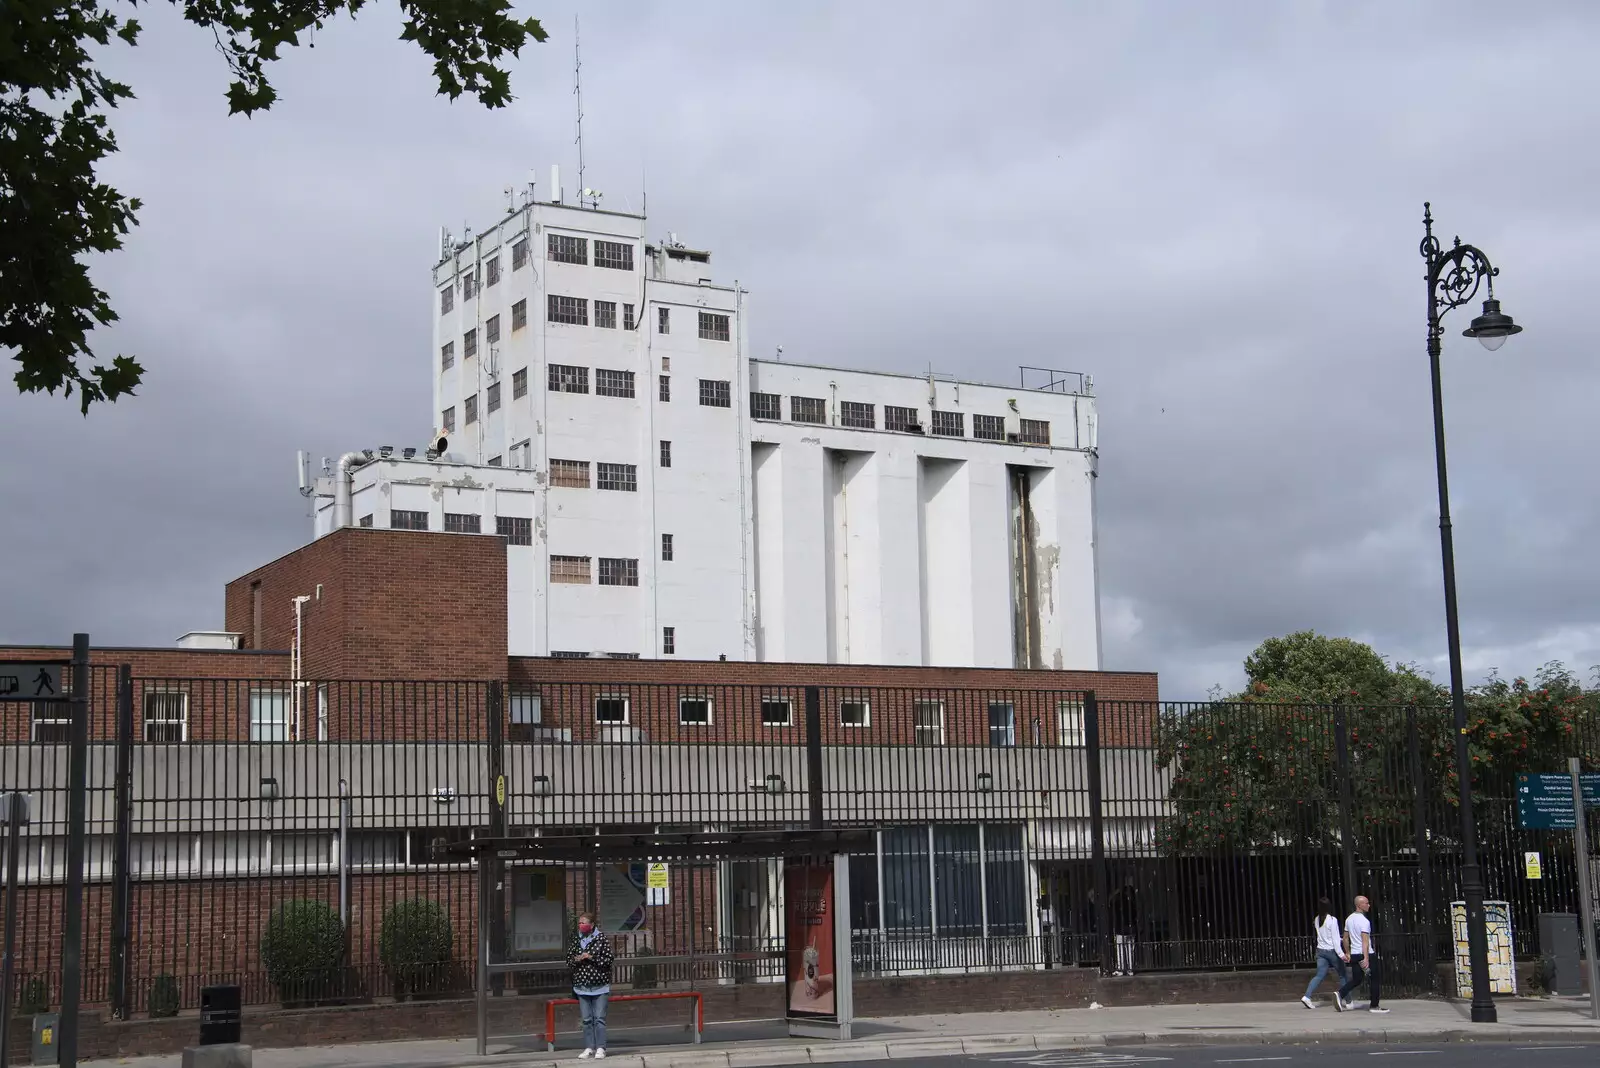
x=1363 y=953
x=1329 y=953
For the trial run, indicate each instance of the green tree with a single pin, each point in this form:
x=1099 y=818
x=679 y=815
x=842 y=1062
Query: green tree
x=55 y=132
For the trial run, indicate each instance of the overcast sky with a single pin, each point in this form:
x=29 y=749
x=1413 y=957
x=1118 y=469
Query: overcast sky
x=1214 y=209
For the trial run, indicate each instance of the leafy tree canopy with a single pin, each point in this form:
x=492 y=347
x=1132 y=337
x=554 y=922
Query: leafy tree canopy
x=1309 y=667
x=55 y=132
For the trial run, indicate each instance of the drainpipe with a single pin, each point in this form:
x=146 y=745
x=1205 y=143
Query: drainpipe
x=342 y=490
x=298 y=661
x=344 y=853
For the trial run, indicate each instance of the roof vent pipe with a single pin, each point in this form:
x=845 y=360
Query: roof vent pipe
x=342 y=489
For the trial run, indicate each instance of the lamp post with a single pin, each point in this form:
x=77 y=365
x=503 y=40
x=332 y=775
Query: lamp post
x=1454 y=276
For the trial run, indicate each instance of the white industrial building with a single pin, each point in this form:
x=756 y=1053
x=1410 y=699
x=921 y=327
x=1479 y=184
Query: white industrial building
x=664 y=494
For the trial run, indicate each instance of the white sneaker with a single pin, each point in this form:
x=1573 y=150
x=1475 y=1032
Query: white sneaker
x=1378 y=1010
x=1338 y=1003
x=600 y=1054
x=1306 y=1001
x=586 y=1054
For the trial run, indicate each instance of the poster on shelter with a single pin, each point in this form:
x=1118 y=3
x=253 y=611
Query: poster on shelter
x=622 y=892
x=538 y=910
x=808 y=938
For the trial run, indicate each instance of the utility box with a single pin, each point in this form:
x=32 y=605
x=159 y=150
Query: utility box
x=46 y=1036
x=220 y=1015
x=1559 y=943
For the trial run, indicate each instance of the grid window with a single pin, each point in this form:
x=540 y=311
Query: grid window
x=269 y=715
x=694 y=711
x=623 y=477
x=571 y=570
x=927 y=722
x=714 y=393
x=519 y=253
x=663 y=320
x=494 y=397
x=1002 y=724
x=666 y=454
x=901 y=420
x=664 y=387
x=447 y=419
x=447 y=299
x=713 y=327
x=618 y=572
x=989 y=428
x=496 y=461
x=515 y=529
x=519 y=383
x=858 y=415
x=666 y=546
x=447 y=355
x=567 y=249
x=628 y=321
x=669 y=641
x=616 y=255
x=50 y=724
x=949 y=424
x=666 y=363
x=519 y=314
x=564 y=378
x=605 y=314
x=366 y=520
x=462 y=523
x=766 y=406
x=469 y=344
x=1035 y=432
x=611 y=709
x=402 y=519
x=470 y=410
x=569 y=474
x=491 y=330
x=166 y=716
x=776 y=712
x=573 y=310
x=808 y=409
x=608 y=383
x=494 y=271
x=469 y=286
x=1069 y=714
x=855 y=714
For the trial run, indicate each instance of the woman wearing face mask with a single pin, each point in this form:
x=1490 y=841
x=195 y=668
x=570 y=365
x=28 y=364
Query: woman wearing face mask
x=589 y=957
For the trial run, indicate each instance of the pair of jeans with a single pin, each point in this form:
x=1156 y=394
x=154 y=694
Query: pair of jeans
x=1327 y=960
x=592 y=1007
x=1357 y=966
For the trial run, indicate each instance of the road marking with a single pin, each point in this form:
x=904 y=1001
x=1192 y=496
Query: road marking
x=1524 y=1048
x=1252 y=1060
x=1080 y=1059
x=1402 y=1052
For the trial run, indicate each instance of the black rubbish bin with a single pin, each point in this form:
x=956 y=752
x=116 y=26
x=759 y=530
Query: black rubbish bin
x=220 y=1015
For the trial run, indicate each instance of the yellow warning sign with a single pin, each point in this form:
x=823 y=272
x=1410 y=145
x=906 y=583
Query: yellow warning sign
x=500 y=790
x=1535 y=869
x=47 y=1036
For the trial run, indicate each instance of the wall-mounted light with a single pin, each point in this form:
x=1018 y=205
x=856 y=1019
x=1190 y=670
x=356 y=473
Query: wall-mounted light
x=541 y=786
x=985 y=782
x=269 y=790
x=386 y=451
x=408 y=453
x=444 y=795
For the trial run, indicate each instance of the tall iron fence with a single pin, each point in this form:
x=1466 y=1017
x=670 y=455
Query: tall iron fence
x=287 y=836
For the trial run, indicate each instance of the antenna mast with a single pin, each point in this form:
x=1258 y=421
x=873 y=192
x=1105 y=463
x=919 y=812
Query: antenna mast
x=577 y=91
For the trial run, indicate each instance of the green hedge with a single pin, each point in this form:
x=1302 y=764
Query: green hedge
x=302 y=950
x=414 y=946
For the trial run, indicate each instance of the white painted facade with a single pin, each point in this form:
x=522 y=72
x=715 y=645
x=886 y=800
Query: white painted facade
x=798 y=532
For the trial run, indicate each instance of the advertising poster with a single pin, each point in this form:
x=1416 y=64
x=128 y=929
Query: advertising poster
x=538 y=910
x=622 y=892
x=808 y=938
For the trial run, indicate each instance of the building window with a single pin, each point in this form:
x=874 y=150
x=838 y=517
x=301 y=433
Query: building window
x=469 y=344
x=519 y=253
x=927 y=722
x=569 y=474
x=608 y=383
x=573 y=310
x=611 y=708
x=605 y=314
x=568 y=654
x=663 y=320
x=494 y=397
x=470 y=410
x=766 y=406
x=269 y=715
x=447 y=299
x=519 y=314
x=469 y=286
x=776 y=712
x=515 y=529
x=808 y=409
x=519 y=383
x=713 y=327
x=613 y=254
x=494 y=271
x=1002 y=724
x=1069 y=714
x=491 y=330
x=666 y=546
x=618 y=572
x=669 y=641
x=447 y=355
x=564 y=378
x=50 y=723
x=366 y=520
x=448 y=419
x=901 y=420
x=855 y=713
x=572 y=570
x=402 y=519
x=664 y=387
x=694 y=711
x=527 y=712
x=988 y=428
x=857 y=415
x=949 y=424
x=166 y=716
x=567 y=249
x=1035 y=432
x=623 y=477
x=666 y=363
x=462 y=523
x=628 y=321
x=301 y=852
x=666 y=454
x=496 y=461
x=715 y=393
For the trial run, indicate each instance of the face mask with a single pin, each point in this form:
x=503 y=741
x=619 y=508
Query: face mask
x=585 y=928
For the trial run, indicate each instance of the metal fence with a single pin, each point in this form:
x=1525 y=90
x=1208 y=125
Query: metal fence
x=233 y=823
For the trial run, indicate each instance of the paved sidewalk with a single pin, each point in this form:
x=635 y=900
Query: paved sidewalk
x=760 y=1044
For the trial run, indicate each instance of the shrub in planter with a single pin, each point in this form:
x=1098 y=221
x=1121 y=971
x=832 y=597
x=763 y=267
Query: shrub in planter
x=302 y=950
x=414 y=947
x=645 y=976
x=164 y=999
x=35 y=997
x=1544 y=974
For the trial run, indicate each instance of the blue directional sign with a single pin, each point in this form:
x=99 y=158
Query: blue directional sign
x=1544 y=802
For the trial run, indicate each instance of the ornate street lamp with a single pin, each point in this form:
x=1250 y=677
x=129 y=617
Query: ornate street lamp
x=1454 y=276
